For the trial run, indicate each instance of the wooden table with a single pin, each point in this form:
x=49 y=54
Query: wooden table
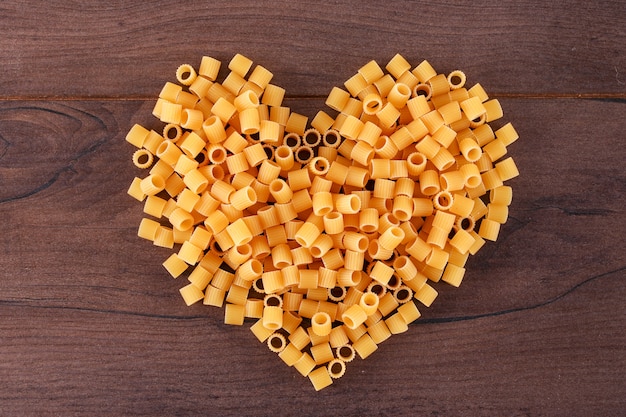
x=91 y=324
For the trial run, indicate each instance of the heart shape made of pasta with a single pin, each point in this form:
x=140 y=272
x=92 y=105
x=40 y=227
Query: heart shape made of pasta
x=325 y=234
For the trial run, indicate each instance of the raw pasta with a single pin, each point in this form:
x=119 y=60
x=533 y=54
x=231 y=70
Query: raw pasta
x=327 y=234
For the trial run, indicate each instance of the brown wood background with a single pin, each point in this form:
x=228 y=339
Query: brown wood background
x=91 y=324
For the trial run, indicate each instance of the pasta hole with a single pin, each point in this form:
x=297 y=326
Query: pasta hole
x=201 y=158
x=272 y=301
x=393 y=282
x=143 y=159
x=283 y=152
x=337 y=292
x=403 y=89
x=403 y=295
x=304 y=154
x=345 y=352
x=276 y=342
x=312 y=137
x=293 y=141
x=377 y=289
x=320 y=165
x=269 y=152
x=337 y=368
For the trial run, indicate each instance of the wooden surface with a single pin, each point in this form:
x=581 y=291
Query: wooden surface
x=91 y=324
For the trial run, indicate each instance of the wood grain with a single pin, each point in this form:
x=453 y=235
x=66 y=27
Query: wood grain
x=90 y=323
x=127 y=49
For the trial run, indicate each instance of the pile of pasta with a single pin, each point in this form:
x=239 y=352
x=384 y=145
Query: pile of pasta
x=326 y=234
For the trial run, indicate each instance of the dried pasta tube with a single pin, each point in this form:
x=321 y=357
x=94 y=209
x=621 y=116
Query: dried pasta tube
x=284 y=157
x=397 y=66
x=372 y=103
x=322 y=121
x=336 y=368
x=311 y=138
x=381 y=273
x=269 y=131
x=304 y=154
x=380 y=168
x=443 y=160
x=368 y=220
x=369 y=303
x=354 y=316
x=148 y=229
x=292 y=140
x=429 y=182
x=399 y=95
x=461 y=206
x=280 y=191
x=323 y=204
x=491 y=179
x=321 y=324
x=470 y=149
x=272 y=317
x=214 y=129
x=191 y=119
x=337 y=99
x=404 y=268
x=224 y=110
x=443 y=200
x=375 y=251
x=456 y=79
x=403 y=294
x=276 y=341
x=239 y=232
x=333 y=221
x=193 y=144
x=489 y=229
x=142 y=158
x=255 y=154
x=321 y=246
x=348 y=204
x=396 y=324
x=388 y=115
x=502 y=195
x=362 y=153
x=371 y=72
x=171 y=112
x=245 y=100
x=507 y=169
x=168 y=152
x=243 y=198
x=152 y=184
x=365 y=346
x=348 y=277
x=137 y=135
x=307 y=234
x=416 y=163
x=462 y=241
x=250 y=270
x=351 y=128
x=319 y=165
x=385 y=147
x=331 y=138
x=296 y=123
x=402 y=208
x=320 y=378
x=181 y=219
x=471 y=174
x=355 y=242
x=250 y=121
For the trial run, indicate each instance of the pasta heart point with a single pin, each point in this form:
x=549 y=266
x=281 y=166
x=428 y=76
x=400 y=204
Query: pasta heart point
x=325 y=234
